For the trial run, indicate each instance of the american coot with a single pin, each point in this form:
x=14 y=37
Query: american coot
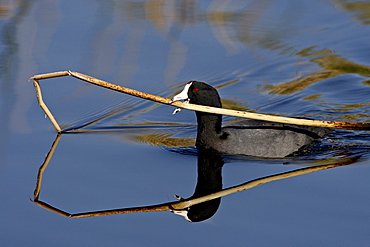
x=249 y=137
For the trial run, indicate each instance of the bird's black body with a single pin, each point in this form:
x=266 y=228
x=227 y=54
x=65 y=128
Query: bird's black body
x=249 y=137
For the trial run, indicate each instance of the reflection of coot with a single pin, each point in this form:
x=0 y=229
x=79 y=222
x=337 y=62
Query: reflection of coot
x=249 y=137
x=209 y=181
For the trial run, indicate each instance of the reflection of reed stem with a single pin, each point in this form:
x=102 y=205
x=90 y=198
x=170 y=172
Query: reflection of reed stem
x=36 y=193
x=297 y=121
x=183 y=203
x=260 y=181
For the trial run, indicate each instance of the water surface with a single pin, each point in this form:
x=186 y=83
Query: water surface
x=289 y=58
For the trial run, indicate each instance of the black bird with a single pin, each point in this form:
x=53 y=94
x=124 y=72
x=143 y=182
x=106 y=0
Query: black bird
x=249 y=137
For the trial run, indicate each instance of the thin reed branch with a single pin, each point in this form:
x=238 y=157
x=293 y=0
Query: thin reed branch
x=208 y=109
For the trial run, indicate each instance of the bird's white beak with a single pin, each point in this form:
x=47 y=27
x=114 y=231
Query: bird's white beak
x=183 y=213
x=183 y=95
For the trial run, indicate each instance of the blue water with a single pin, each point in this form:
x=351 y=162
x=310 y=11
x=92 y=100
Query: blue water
x=289 y=58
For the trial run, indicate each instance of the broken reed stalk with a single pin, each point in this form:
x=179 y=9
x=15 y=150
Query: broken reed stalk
x=44 y=106
x=208 y=109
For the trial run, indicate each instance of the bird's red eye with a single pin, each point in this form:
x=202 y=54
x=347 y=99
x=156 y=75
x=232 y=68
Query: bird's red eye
x=195 y=90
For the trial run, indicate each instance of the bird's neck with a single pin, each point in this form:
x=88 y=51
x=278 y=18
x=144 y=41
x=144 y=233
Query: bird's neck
x=209 y=127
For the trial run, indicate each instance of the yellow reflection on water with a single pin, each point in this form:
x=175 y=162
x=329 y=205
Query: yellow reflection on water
x=165 y=139
x=332 y=65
